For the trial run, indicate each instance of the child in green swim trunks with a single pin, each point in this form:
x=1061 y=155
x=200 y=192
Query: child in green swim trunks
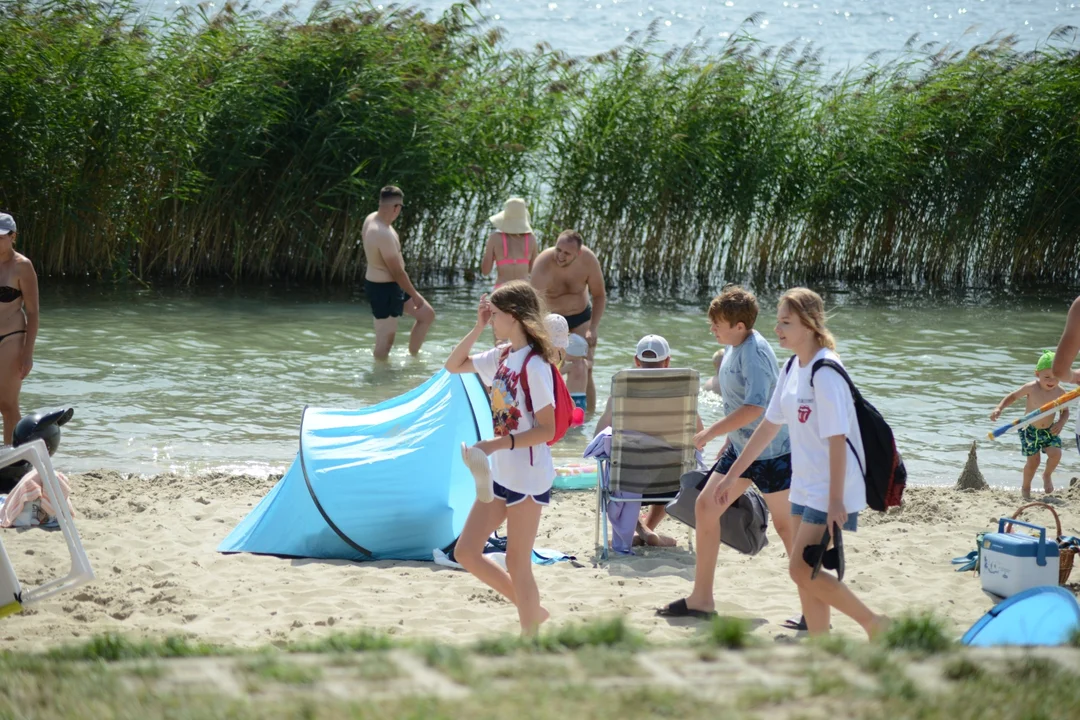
x=1043 y=435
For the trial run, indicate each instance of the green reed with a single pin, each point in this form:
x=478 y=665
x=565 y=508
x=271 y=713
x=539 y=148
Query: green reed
x=248 y=146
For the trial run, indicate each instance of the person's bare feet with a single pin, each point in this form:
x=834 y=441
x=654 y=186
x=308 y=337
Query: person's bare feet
x=654 y=539
x=877 y=626
x=1048 y=485
x=535 y=629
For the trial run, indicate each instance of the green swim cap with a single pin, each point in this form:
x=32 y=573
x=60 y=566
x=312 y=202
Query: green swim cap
x=1046 y=360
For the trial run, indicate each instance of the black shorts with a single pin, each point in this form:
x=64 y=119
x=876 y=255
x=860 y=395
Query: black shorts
x=772 y=475
x=387 y=299
x=576 y=321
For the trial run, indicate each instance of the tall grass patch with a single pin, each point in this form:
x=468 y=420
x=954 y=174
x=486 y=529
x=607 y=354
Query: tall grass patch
x=242 y=145
x=923 y=633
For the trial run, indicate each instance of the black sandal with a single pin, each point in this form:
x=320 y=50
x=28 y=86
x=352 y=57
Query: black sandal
x=679 y=609
x=814 y=555
x=797 y=622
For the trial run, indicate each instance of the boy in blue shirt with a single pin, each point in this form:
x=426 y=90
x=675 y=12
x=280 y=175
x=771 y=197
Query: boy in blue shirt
x=746 y=379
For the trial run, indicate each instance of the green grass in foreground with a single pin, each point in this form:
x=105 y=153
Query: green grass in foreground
x=920 y=633
x=111 y=647
x=565 y=673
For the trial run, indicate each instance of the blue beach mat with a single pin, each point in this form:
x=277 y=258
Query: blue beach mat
x=1039 y=616
x=382 y=482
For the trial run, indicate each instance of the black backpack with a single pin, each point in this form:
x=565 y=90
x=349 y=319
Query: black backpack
x=883 y=469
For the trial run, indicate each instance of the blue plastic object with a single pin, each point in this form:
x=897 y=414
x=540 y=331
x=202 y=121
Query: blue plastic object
x=382 y=482
x=1037 y=616
x=1020 y=545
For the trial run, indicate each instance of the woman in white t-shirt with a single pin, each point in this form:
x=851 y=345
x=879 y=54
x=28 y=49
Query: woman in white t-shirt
x=517 y=484
x=827 y=486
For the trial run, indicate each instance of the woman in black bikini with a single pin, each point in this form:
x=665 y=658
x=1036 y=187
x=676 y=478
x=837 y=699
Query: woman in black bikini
x=18 y=323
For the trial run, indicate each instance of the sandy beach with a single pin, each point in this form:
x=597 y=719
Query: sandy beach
x=152 y=545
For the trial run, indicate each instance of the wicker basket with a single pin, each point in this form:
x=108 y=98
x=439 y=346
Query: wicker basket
x=1067 y=554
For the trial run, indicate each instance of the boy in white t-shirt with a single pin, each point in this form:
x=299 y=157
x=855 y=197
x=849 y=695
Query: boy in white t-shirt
x=518 y=482
x=827 y=487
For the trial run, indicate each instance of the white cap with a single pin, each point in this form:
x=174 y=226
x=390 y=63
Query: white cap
x=653 y=348
x=558 y=330
x=577 y=347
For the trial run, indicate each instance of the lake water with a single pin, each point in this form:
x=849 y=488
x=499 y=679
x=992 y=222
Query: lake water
x=216 y=378
x=848 y=30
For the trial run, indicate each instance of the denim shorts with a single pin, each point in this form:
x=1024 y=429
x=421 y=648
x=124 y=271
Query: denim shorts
x=810 y=516
x=513 y=498
x=772 y=475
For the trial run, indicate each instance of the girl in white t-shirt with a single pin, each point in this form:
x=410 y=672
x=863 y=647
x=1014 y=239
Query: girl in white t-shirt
x=827 y=486
x=518 y=482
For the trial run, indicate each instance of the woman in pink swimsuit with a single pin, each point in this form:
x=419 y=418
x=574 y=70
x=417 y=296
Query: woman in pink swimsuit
x=511 y=249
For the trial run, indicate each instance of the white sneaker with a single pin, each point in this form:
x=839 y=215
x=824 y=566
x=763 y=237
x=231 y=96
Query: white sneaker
x=477 y=462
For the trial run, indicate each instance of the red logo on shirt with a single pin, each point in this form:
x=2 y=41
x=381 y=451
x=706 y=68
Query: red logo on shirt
x=804 y=413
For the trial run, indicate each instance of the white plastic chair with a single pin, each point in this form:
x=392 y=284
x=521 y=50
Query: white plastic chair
x=12 y=596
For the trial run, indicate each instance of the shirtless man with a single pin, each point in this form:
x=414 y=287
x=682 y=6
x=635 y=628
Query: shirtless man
x=568 y=276
x=386 y=283
x=1067 y=350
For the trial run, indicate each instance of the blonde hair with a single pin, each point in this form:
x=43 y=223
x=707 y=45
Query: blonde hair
x=520 y=300
x=810 y=309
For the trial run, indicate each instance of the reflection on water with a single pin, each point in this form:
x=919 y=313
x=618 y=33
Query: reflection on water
x=849 y=31
x=217 y=378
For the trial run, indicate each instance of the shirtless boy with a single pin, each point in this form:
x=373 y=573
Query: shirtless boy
x=1043 y=435
x=568 y=277
x=388 y=287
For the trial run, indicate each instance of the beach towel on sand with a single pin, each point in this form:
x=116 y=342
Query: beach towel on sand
x=496 y=550
x=29 y=490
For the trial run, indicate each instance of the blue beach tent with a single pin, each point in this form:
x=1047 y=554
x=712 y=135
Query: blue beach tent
x=1046 y=615
x=382 y=482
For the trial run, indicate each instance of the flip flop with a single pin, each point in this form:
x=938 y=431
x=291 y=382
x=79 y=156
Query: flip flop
x=834 y=557
x=679 y=609
x=814 y=555
x=477 y=462
x=796 y=622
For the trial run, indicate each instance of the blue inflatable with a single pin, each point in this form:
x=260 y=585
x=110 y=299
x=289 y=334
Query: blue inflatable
x=1038 y=616
x=382 y=482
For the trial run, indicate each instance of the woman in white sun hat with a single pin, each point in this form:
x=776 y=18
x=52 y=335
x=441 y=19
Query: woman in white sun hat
x=511 y=249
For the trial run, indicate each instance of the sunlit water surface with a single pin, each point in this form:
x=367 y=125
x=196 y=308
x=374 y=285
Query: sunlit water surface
x=216 y=378
x=848 y=31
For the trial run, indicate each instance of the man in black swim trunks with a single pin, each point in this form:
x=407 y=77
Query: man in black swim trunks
x=568 y=276
x=388 y=287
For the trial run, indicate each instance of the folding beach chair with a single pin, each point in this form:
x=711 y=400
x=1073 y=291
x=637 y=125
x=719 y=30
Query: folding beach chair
x=653 y=421
x=12 y=596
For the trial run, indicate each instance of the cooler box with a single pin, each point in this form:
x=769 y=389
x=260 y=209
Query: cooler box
x=1013 y=563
